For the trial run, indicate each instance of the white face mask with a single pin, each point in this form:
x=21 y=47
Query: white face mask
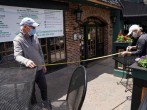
x=134 y=34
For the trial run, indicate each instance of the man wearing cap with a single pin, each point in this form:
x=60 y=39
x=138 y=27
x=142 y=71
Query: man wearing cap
x=141 y=46
x=27 y=51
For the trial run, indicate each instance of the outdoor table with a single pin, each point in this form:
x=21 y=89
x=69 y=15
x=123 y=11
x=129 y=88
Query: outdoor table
x=119 y=68
x=126 y=61
x=16 y=85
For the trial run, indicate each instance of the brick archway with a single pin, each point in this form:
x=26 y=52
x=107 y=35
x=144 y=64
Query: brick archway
x=93 y=37
x=72 y=47
x=103 y=22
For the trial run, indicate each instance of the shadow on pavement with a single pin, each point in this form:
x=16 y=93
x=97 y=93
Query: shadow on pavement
x=58 y=81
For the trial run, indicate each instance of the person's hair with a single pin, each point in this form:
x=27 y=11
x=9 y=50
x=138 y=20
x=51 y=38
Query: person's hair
x=21 y=27
x=140 y=28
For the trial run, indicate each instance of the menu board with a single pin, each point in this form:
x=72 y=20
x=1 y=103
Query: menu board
x=51 y=21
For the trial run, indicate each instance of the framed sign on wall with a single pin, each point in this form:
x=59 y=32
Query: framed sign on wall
x=51 y=21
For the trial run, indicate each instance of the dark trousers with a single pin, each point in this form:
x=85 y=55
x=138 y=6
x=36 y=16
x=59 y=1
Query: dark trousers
x=41 y=82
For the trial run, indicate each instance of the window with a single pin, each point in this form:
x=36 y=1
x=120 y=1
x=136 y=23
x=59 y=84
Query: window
x=44 y=44
x=6 y=49
x=53 y=49
x=57 y=49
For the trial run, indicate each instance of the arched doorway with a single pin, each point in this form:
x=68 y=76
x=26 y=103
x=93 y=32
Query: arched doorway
x=92 y=38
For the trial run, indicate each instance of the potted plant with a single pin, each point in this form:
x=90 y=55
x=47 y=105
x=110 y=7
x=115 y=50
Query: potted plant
x=142 y=62
x=122 y=38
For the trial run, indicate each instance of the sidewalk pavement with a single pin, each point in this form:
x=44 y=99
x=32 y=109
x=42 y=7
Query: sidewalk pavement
x=103 y=93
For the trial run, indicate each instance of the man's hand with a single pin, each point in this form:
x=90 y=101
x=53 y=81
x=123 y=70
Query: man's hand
x=129 y=48
x=30 y=64
x=44 y=69
x=126 y=53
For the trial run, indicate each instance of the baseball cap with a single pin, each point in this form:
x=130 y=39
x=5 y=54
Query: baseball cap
x=28 y=21
x=134 y=27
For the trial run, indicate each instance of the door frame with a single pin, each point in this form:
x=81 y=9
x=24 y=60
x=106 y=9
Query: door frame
x=97 y=23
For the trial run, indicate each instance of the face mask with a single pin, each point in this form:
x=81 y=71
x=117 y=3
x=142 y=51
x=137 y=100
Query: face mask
x=134 y=34
x=32 y=32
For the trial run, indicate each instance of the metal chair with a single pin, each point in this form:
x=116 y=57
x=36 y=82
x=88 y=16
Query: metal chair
x=9 y=61
x=76 y=92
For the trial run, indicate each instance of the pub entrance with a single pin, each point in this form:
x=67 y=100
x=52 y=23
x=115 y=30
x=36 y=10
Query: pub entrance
x=92 y=38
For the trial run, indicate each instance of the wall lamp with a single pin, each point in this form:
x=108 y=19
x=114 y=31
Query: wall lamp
x=78 y=12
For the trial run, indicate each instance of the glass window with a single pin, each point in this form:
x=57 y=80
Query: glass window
x=53 y=49
x=6 y=48
x=44 y=45
x=57 y=45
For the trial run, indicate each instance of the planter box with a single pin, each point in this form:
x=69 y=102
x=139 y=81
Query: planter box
x=119 y=68
x=139 y=84
x=119 y=73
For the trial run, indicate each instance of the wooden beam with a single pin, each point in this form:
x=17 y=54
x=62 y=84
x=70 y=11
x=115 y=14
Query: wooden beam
x=105 y=4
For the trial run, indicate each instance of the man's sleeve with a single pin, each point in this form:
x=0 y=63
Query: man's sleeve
x=18 y=53
x=140 y=47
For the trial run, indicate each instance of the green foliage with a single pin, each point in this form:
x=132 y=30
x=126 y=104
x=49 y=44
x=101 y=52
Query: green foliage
x=122 y=38
x=129 y=39
x=143 y=62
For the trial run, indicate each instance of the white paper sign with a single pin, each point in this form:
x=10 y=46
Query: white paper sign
x=51 y=21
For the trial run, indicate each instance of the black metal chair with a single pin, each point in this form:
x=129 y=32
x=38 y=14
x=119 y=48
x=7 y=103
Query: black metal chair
x=9 y=61
x=76 y=92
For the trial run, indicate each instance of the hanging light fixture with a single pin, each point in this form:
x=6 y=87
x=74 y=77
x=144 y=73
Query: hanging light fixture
x=78 y=12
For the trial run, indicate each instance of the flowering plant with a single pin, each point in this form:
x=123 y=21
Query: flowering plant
x=122 y=38
x=143 y=61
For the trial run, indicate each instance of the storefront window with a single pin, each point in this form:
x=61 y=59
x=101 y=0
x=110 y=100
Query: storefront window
x=6 y=49
x=53 y=49
x=57 y=46
x=44 y=44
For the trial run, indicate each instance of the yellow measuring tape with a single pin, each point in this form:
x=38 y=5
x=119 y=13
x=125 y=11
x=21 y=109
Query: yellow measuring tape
x=72 y=62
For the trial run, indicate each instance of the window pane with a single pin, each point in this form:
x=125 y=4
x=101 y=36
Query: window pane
x=6 y=48
x=53 y=57
x=63 y=54
x=57 y=46
x=44 y=45
x=58 y=56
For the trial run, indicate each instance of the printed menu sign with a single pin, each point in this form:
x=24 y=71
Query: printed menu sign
x=51 y=21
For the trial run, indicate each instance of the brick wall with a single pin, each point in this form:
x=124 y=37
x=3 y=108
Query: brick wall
x=73 y=48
